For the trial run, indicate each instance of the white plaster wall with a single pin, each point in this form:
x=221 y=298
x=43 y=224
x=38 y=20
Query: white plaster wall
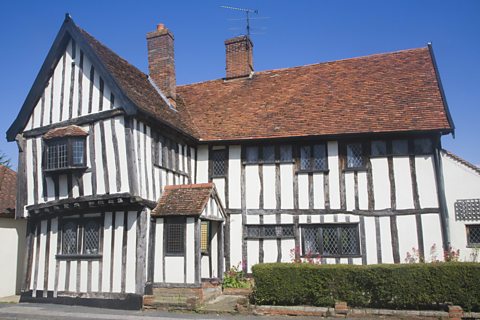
x=303 y=192
x=461 y=182
x=432 y=236
x=407 y=235
x=386 y=240
x=286 y=189
x=174 y=269
x=234 y=171
x=427 y=188
x=403 y=183
x=370 y=239
x=381 y=183
x=236 y=239
x=12 y=232
x=190 y=250
x=334 y=174
x=202 y=164
x=252 y=186
x=269 y=200
x=318 y=191
x=158 y=269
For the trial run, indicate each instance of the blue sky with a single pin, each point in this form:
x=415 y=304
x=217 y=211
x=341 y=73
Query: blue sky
x=295 y=33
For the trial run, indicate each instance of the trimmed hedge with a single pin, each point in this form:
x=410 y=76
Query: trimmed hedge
x=400 y=286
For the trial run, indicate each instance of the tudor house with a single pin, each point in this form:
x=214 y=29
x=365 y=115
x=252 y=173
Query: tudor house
x=132 y=185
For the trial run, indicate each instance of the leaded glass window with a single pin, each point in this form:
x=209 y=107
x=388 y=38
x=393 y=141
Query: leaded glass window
x=355 y=156
x=313 y=157
x=251 y=154
x=305 y=158
x=400 y=147
x=422 y=146
x=331 y=240
x=64 y=153
x=269 y=154
x=473 y=235
x=218 y=163
x=319 y=157
x=205 y=237
x=286 y=153
x=75 y=229
x=69 y=239
x=78 y=151
x=271 y=231
x=379 y=148
x=91 y=237
x=175 y=232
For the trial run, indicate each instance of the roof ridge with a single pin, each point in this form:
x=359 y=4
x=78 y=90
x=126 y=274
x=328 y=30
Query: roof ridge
x=315 y=64
x=462 y=161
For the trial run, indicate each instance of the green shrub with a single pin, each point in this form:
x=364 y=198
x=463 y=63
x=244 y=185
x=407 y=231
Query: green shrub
x=234 y=278
x=401 y=286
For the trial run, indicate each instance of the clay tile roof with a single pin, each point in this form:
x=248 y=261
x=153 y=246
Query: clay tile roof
x=381 y=93
x=8 y=189
x=137 y=87
x=69 y=131
x=183 y=200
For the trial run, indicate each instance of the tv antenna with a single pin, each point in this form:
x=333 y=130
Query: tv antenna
x=247 y=12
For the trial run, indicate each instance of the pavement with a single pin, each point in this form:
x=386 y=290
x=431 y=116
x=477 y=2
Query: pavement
x=31 y=311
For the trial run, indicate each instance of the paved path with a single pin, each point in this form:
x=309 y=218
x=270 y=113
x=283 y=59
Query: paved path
x=35 y=311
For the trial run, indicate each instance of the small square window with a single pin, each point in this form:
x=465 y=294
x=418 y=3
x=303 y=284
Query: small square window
x=400 y=147
x=64 y=153
x=423 y=146
x=379 y=148
x=313 y=157
x=473 y=235
x=251 y=156
x=269 y=154
x=355 y=156
x=69 y=238
x=286 y=153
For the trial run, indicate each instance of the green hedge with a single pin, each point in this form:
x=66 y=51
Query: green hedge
x=401 y=286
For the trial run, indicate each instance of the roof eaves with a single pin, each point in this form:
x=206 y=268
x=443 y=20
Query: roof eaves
x=442 y=92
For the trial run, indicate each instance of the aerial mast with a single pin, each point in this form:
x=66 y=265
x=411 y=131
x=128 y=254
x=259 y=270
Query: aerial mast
x=247 y=12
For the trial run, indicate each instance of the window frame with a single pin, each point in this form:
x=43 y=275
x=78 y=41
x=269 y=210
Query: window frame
x=319 y=228
x=312 y=158
x=80 y=222
x=468 y=228
x=412 y=149
x=167 y=236
x=68 y=141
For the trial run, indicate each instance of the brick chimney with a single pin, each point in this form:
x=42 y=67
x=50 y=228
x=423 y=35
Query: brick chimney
x=161 y=61
x=239 y=57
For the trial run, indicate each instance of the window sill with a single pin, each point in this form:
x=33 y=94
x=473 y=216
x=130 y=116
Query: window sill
x=354 y=169
x=245 y=163
x=312 y=171
x=182 y=254
x=270 y=238
x=64 y=170
x=78 y=256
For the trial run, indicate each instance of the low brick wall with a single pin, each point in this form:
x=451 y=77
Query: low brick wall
x=189 y=298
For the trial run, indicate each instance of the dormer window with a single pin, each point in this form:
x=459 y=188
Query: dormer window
x=64 y=149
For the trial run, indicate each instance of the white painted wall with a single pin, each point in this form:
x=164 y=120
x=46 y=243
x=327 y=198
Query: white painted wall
x=12 y=251
x=461 y=182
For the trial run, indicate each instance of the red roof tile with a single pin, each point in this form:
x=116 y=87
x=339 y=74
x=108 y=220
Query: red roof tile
x=8 y=190
x=381 y=93
x=69 y=131
x=184 y=200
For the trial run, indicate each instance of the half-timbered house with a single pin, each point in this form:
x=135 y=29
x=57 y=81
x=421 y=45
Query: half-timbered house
x=133 y=185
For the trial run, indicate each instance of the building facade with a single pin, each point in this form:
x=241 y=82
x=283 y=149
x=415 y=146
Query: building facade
x=132 y=185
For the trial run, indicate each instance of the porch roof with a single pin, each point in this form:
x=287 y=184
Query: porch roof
x=184 y=200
